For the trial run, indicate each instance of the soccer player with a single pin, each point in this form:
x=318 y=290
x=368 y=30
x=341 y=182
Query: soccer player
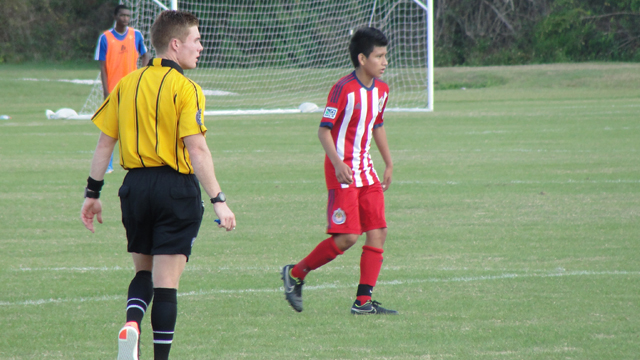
x=353 y=116
x=156 y=115
x=118 y=51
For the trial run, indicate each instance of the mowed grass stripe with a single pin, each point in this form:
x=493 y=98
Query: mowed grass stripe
x=333 y=286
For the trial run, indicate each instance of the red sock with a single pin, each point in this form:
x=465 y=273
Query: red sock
x=326 y=251
x=370 y=265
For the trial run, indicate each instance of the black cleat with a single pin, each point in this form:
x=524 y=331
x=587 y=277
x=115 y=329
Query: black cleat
x=292 y=288
x=371 y=308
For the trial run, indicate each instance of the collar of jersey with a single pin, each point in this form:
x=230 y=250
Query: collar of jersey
x=373 y=84
x=166 y=63
x=119 y=36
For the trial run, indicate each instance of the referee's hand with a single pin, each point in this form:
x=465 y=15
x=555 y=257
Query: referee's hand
x=226 y=216
x=90 y=208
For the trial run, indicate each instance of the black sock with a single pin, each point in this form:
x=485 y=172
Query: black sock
x=139 y=297
x=364 y=293
x=163 y=321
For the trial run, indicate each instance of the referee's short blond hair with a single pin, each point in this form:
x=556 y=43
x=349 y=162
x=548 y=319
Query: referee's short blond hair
x=171 y=24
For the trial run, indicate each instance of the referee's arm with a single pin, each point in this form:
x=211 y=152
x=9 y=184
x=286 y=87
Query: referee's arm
x=102 y=155
x=202 y=163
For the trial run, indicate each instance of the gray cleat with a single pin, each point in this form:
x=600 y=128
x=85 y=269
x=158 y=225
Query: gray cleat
x=371 y=308
x=292 y=288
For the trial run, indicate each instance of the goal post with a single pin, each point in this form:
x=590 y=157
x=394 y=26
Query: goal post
x=270 y=56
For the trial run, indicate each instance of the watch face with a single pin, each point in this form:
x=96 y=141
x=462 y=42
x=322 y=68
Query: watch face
x=219 y=198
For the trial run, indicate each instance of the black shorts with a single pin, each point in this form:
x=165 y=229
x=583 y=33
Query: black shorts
x=161 y=211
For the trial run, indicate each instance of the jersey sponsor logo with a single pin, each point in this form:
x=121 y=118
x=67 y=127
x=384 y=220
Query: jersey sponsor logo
x=339 y=217
x=199 y=117
x=330 y=112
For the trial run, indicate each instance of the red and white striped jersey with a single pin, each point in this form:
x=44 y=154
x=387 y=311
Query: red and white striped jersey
x=352 y=112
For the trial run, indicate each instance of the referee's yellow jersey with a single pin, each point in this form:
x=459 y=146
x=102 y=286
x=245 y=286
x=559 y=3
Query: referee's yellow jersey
x=150 y=111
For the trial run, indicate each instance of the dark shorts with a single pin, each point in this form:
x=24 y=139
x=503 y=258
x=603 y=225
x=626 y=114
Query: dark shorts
x=355 y=210
x=161 y=211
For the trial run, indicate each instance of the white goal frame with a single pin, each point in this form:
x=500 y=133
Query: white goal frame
x=96 y=92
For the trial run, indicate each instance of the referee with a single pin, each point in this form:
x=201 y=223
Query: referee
x=155 y=114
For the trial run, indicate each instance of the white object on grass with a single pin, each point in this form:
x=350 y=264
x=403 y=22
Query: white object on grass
x=307 y=107
x=65 y=114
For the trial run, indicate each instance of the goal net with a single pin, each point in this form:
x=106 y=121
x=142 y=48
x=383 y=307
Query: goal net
x=271 y=56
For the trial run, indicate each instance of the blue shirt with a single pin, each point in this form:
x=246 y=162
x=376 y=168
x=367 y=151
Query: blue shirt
x=101 y=49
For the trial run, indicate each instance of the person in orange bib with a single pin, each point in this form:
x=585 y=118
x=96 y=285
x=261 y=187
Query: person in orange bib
x=118 y=51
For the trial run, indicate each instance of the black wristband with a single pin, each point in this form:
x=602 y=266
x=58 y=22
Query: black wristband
x=91 y=194
x=94 y=185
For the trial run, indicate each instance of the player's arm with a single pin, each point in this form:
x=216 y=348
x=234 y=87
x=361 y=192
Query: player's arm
x=101 y=56
x=102 y=155
x=380 y=137
x=144 y=59
x=103 y=78
x=203 y=167
x=343 y=171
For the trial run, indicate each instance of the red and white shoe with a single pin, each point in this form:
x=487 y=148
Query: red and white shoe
x=128 y=341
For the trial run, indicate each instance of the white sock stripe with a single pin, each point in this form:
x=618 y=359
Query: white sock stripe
x=162 y=341
x=136 y=299
x=137 y=306
x=163 y=332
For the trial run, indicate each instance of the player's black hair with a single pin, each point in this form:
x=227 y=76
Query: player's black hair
x=118 y=8
x=363 y=42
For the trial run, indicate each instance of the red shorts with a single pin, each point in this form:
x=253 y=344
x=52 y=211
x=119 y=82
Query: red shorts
x=355 y=210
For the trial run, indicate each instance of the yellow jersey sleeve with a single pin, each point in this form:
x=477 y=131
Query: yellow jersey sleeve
x=106 y=118
x=191 y=117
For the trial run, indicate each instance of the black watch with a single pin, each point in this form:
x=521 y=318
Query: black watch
x=219 y=198
x=91 y=194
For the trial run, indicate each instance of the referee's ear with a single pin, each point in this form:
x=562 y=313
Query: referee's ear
x=174 y=44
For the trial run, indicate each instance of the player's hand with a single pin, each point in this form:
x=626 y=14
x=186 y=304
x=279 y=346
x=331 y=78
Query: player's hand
x=344 y=174
x=226 y=216
x=91 y=208
x=386 y=178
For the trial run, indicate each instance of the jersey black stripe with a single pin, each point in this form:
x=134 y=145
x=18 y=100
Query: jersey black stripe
x=104 y=105
x=195 y=88
x=177 y=142
x=196 y=91
x=120 y=147
x=158 y=104
x=135 y=106
x=184 y=151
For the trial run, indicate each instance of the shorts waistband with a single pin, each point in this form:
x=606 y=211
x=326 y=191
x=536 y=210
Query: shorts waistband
x=158 y=170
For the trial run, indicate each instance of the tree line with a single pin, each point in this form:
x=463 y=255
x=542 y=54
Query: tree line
x=496 y=32
x=466 y=32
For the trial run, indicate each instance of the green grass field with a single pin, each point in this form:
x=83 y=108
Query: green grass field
x=514 y=222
